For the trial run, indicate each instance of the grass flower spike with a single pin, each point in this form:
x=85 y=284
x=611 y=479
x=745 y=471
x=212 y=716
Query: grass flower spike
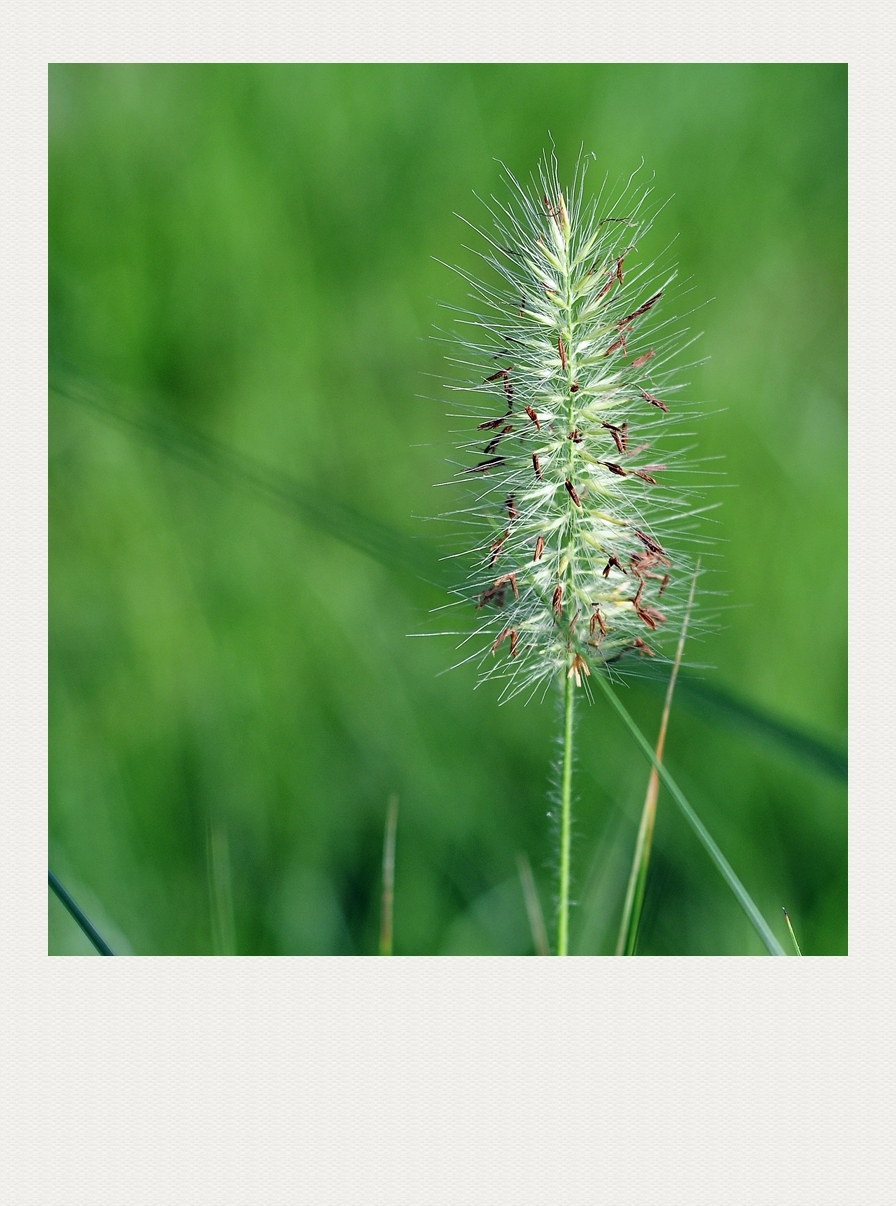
x=580 y=564
x=568 y=441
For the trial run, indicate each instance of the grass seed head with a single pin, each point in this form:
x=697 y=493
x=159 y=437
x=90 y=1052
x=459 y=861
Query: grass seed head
x=569 y=373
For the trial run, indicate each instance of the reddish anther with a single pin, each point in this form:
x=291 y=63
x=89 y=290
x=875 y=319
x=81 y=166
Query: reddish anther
x=561 y=348
x=597 y=619
x=557 y=603
x=619 y=434
x=536 y=465
x=493 y=443
x=642 y=647
x=496 y=547
x=629 y=318
x=636 y=364
x=653 y=401
x=511 y=578
x=572 y=493
x=539 y=548
x=617 y=469
x=534 y=417
x=649 y=542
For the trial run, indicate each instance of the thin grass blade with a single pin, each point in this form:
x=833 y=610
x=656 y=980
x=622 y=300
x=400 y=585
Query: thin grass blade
x=792 y=935
x=388 y=875
x=533 y=904
x=82 y=919
x=220 y=891
x=744 y=899
x=637 y=882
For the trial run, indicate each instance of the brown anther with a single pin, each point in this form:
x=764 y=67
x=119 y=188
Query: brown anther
x=645 y=477
x=574 y=388
x=557 y=604
x=505 y=373
x=497 y=644
x=619 y=264
x=642 y=647
x=665 y=583
x=536 y=465
x=651 y=617
x=576 y=436
x=514 y=637
x=493 y=443
x=511 y=578
x=512 y=510
x=620 y=343
x=484 y=466
x=640 y=310
x=496 y=547
x=572 y=493
x=643 y=359
x=539 y=548
x=491 y=423
x=579 y=666
x=654 y=401
x=572 y=622
x=611 y=563
x=619 y=434
x=617 y=469
x=494 y=594
x=561 y=348
x=649 y=542
x=641 y=562
x=597 y=619
x=534 y=417
x=606 y=289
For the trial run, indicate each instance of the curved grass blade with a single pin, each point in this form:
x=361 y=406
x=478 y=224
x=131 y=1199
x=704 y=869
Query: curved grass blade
x=83 y=921
x=637 y=882
x=722 y=706
x=386 y=545
x=401 y=553
x=792 y=935
x=759 y=923
x=533 y=904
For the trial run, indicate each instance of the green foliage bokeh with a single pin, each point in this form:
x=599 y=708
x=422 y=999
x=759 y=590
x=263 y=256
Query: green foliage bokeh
x=249 y=251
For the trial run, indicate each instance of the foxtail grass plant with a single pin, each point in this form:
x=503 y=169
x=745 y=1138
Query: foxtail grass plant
x=572 y=439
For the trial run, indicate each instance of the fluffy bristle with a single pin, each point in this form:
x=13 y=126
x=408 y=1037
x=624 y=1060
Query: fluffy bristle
x=572 y=436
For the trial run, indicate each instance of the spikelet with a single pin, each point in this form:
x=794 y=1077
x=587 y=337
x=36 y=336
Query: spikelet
x=570 y=440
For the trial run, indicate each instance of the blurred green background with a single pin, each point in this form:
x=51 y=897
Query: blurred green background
x=245 y=430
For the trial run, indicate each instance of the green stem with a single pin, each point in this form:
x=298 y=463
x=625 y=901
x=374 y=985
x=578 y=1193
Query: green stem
x=744 y=899
x=565 y=819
